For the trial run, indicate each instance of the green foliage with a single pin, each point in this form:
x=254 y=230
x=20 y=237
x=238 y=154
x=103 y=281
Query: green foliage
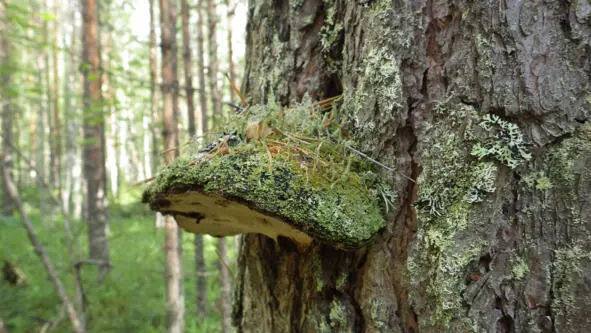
x=131 y=299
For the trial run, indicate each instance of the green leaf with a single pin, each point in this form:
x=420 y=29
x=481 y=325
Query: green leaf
x=47 y=17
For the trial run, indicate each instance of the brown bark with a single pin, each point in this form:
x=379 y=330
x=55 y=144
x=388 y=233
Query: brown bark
x=201 y=66
x=419 y=80
x=173 y=240
x=212 y=66
x=6 y=111
x=225 y=286
x=94 y=135
x=77 y=325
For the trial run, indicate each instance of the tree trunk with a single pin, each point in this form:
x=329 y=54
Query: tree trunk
x=175 y=309
x=56 y=135
x=201 y=65
x=94 y=135
x=187 y=66
x=154 y=105
x=212 y=59
x=225 y=286
x=230 y=10
x=6 y=110
x=485 y=107
x=200 y=268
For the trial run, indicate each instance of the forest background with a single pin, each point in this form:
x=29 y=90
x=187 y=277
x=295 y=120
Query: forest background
x=82 y=125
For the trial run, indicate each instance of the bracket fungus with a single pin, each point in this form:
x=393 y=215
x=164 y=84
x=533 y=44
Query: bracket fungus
x=274 y=184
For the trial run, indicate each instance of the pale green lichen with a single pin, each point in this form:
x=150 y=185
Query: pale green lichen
x=519 y=267
x=377 y=99
x=504 y=143
x=453 y=183
x=537 y=180
x=331 y=30
x=337 y=314
x=566 y=270
x=377 y=311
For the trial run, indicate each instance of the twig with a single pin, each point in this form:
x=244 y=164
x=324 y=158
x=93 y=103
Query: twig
x=373 y=160
x=237 y=91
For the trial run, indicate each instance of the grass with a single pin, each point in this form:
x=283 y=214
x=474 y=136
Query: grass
x=131 y=299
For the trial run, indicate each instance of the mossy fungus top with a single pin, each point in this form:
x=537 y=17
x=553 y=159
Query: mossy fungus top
x=278 y=184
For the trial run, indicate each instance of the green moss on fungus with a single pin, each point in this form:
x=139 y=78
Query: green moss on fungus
x=338 y=213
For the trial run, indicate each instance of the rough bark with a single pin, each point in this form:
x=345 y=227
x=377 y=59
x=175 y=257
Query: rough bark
x=212 y=62
x=6 y=110
x=483 y=104
x=94 y=135
x=175 y=306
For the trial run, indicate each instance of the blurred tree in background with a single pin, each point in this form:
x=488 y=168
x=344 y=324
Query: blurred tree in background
x=82 y=124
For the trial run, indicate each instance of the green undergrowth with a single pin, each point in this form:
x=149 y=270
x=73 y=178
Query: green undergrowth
x=131 y=299
x=295 y=163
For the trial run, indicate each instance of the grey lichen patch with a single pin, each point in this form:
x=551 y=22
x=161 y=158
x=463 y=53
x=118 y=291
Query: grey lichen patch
x=339 y=315
x=376 y=100
x=567 y=168
x=566 y=273
x=453 y=183
x=342 y=214
x=519 y=267
x=504 y=142
x=331 y=30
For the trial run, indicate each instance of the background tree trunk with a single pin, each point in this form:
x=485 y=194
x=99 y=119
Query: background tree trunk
x=225 y=286
x=185 y=18
x=480 y=241
x=212 y=62
x=154 y=104
x=6 y=110
x=94 y=135
x=200 y=268
x=230 y=11
x=56 y=127
x=173 y=240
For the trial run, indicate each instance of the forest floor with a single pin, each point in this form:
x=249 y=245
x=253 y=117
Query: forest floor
x=131 y=299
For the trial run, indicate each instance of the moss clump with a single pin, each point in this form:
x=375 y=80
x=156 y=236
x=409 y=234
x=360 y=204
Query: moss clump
x=340 y=213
